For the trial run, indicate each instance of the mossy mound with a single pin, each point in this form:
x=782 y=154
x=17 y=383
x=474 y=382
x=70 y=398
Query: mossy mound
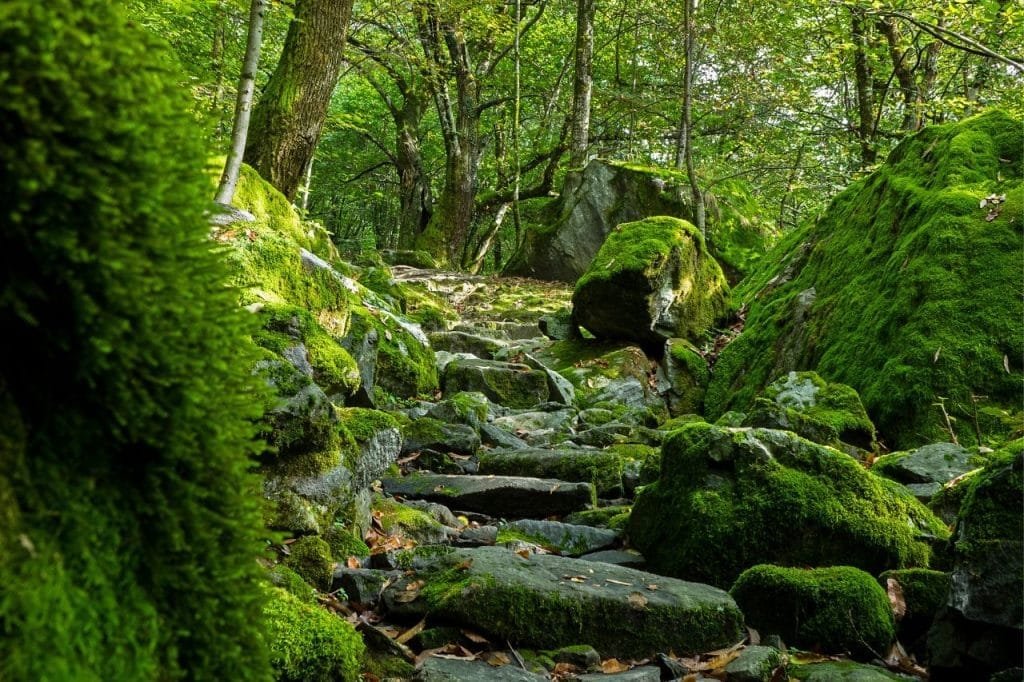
x=728 y=499
x=310 y=558
x=129 y=529
x=811 y=407
x=837 y=610
x=652 y=280
x=901 y=290
x=309 y=644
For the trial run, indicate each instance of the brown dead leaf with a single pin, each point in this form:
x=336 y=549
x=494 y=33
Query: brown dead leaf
x=474 y=637
x=896 y=600
x=575 y=578
x=464 y=566
x=525 y=553
x=564 y=670
x=496 y=659
x=410 y=592
x=613 y=665
x=637 y=601
x=652 y=587
x=353 y=562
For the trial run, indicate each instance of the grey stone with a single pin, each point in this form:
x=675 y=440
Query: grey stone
x=376 y=454
x=508 y=384
x=477 y=537
x=645 y=673
x=559 y=326
x=603 y=436
x=754 y=664
x=464 y=342
x=618 y=557
x=566 y=538
x=362 y=585
x=471 y=409
x=500 y=438
x=560 y=421
x=844 y=671
x=224 y=215
x=927 y=468
x=606 y=606
x=450 y=670
x=501 y=496
x=431 y=434
x=592 y=203
x=603 y=468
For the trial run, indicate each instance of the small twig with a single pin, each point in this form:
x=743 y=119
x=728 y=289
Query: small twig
x=515 y=654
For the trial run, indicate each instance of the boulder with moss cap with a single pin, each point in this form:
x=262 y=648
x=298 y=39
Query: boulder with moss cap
x=651 y=281
x=727 y=499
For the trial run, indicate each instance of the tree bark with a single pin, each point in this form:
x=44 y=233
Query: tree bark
x=865 y=130
x=290 y=116
x=243 y=106
x=415 y=198
x=583 y=83
x=686 y=135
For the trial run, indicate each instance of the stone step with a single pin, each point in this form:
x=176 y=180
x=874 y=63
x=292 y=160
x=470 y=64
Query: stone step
x=563 y=538
x=498 y=496
x=547 y=601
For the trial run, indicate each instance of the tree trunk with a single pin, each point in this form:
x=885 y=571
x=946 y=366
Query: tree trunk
x=415 y=198
x=447 y=232
x=290 y=116
x=686 y=136
x=865 y=94
x=243 y=107
x=583 y=83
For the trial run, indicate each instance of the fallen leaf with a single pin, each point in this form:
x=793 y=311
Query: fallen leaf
x=896 y=600
x=637 y=601
x=474 y=637
x=353 y=562
x=564 y=670
x=652 y=587
x=464 y=566
x=613 y=665
x=496 y=659
x=525 y=553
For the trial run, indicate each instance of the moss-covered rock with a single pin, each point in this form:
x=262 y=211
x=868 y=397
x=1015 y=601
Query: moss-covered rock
x=507 y=384
x=924 y=593
x=927 y=469
x=531 y=601
x=652 y=280
x=842 y=671
x=395 y=357
x=129 y=530
x=803 y=402
x=837 y=610
x=606 y=469
x=611 y=375
x=900 y=290
x=309 y=644
x=398 y=519
x=727 y=499
x=310 y=557
x=288 y=580
x=686 y=375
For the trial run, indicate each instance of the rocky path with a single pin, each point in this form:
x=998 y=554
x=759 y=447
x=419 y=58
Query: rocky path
x=498 y=541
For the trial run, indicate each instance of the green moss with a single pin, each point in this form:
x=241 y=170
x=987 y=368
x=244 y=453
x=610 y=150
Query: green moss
x=405 y=367
x=910 y=287
x=396 y=518
x=285 y=326
x=344 y=542
x=842 y=671
x=629 y=267
x=271 y=209
x=806 y=404
x=291 y=582
x=836 y=610
x=309 y=644
x=310 y=557
x=131 y=527
x=364 y=424
x=924 y=591
x=772 y=497
x=603 y=468
x=384 y=667
x=599 y=518
x=991 y=514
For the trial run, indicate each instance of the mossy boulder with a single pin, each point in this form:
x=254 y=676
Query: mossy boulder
x=129 y=531
x=611 y=375
x=651 y=281
x=728 y=499
x=532 y=602
x=923 y=593
x=803 y=402
x=838 y=609
x=396 y=518
x=507 y=384
x=394 y=355
x=842 y=671
x=608 y=469
x=685 y=375
x=310 y=557
x=309 y=644
x=900 y=290
x=980 y=630
x=925 y=470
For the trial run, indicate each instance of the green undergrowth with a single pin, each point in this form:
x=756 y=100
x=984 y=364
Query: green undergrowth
x=913 y=301
x=129 y=518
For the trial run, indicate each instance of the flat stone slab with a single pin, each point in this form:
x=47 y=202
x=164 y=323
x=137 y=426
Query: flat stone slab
x=450 y=670
x=603 y=468
x=645 y=673
x=619 y=557
x=565 y=538
x=505 y=383
x=500 y=496
x=548 y=601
